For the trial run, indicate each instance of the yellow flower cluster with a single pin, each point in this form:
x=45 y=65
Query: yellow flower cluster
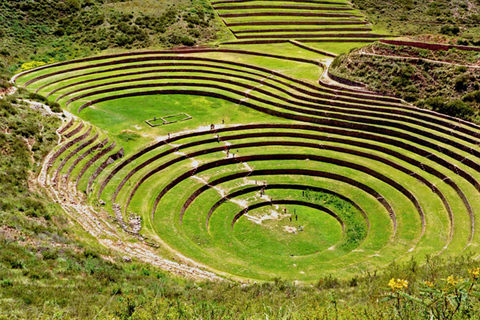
x=398 y=284
x=429 y=284
x=474 y=272
x=31 y=65
x=453 y=281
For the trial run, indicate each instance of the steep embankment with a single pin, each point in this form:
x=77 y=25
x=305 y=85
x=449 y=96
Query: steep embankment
x=443 y=80
x=455 y=19
x=46 y=31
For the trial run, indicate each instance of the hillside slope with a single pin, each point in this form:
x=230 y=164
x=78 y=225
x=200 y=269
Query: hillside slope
x=407 y=17
x=48 y=31
x=444 y=81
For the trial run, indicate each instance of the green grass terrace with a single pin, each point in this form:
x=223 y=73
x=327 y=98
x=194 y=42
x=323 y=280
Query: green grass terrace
x=256 y=22
x=277 y=173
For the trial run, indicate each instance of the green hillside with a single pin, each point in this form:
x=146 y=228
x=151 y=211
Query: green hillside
x=424 y=17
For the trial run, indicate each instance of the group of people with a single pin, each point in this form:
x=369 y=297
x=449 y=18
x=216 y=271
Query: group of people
x=291 y=216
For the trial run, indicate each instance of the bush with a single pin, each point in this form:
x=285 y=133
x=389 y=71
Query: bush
x=194 y=32
x=129 y=136
x=328 y=283
x=456 y=108
x=90 y=254
x=187 y=41
x=6 y=109
x=54 y=106
x=122 y=40
x=6 y=283
x=50 y=254
x=59 y=32
x=472 y=97
x=31 y=65
x=450 y=30
x=37 y=97
x=461 y=82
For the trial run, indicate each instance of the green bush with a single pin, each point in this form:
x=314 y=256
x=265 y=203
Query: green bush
x=37 y=97
x=461 y=82
x=129 y=136
x=450 y=30
x=178 y=38
x=472 y=97
x=54 y=106
x=50 y=254
x=7 y=109
x=456 y=108
x=6 y=283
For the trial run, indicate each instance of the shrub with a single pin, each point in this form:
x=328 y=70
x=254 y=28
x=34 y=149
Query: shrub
x=54 y=106
x=6 y=283
x=328 y=282
x=187 y=41
x=34 y=208
x=27 y=129
x=178 y=37
x=450 y=30
x=50 y=254
x=472 y=97
x=69 y=6
x=461 y=82
x=456 y=108
x=129 y=136
x=59 y=32
x=194 y=32
x=122 y=40
x=37 y=97
x=90 y=254
x=7 y=109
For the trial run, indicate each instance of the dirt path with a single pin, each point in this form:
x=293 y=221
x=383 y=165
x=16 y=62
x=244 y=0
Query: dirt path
x=6 y=92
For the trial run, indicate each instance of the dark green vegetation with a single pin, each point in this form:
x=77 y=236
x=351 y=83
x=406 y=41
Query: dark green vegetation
x=46 y=31
x=420 y=78
x=357 y=229
x=457 y=19
x=24 y=142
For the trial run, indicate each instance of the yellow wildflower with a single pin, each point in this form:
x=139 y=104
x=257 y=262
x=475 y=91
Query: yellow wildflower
x=398 y=284
x=392 y=284
x=429 y=284
x=31 y=65
x=452 y=281
x=474 y=272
